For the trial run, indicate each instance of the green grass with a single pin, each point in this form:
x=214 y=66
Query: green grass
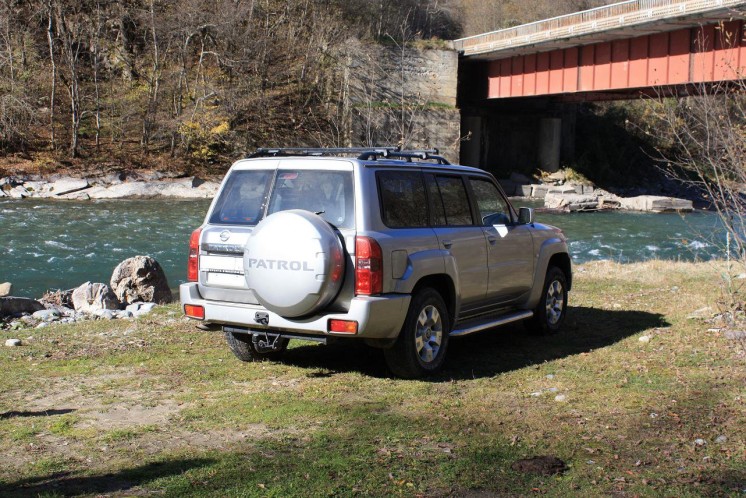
x=152 y=406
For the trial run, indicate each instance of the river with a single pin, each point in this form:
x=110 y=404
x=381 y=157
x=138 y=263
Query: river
x=51 y=245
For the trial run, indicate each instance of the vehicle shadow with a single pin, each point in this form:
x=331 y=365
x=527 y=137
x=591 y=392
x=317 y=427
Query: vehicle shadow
x=67 y=484
x=494 y=351
x=40 y=413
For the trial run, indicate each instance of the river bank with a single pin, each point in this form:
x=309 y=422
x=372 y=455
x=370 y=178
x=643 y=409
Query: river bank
x=557 y=192
x=116 y=185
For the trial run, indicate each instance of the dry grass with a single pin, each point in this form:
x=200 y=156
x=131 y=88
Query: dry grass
x=154 y=406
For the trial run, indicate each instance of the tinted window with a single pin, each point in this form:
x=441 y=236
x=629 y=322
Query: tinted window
x=242 y=199
x=437 y=211
x=403 y=201
x=455 y=200
x=493 y=209
x=328 y=193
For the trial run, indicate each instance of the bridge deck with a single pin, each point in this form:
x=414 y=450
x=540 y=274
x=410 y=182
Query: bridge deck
x=620 y=20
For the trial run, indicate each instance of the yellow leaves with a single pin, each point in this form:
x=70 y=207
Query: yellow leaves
x=221 y=129
x=205 y=135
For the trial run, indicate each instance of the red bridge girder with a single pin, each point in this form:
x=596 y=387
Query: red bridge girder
x=689 y=56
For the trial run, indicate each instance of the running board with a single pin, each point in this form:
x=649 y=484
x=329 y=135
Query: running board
x=490 y=323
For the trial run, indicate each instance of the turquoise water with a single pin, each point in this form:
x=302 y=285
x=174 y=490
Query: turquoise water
x=51 y=245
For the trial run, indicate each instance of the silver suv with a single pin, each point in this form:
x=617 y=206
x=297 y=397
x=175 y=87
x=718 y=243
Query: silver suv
x=397 y=248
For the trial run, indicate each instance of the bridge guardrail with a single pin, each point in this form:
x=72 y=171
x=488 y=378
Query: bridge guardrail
x=630 y=13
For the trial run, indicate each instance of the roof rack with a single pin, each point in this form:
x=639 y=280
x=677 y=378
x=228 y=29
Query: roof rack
x=363 y=153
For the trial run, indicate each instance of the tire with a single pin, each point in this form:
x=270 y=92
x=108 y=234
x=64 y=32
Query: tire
x=244 y=349
x=552 y=308
x=421 y=346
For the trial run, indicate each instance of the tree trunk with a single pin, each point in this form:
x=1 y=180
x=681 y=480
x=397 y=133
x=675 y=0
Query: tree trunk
x=53 y=91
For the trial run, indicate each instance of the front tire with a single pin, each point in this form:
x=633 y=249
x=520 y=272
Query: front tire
x=244 y=348
x=421 y=346
x=552 y=308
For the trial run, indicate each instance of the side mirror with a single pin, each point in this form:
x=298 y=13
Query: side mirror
x=525 y=216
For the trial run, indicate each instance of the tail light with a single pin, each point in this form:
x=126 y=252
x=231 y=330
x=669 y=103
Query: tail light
x=193 y=262
x=368 y=267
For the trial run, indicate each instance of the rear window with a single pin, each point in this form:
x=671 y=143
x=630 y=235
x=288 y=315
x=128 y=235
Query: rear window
x=243 y=198
x=247 y=193
x=327 y=193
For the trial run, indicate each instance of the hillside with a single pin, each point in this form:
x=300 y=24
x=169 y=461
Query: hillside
x=191 y=84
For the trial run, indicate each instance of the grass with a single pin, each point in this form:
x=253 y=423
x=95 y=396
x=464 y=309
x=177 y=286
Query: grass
x=156 y=406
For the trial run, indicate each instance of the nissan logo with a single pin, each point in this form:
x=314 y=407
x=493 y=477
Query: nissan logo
x=225 y=235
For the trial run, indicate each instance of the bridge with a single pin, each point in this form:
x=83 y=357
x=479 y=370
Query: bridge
x=519 y=86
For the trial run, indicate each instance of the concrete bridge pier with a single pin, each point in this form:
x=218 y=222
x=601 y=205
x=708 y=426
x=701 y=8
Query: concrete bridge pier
x=518 y=136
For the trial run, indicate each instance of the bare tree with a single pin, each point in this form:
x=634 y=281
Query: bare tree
x=69 y=30
x=53 y=73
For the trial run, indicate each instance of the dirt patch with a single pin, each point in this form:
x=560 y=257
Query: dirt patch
x=122 y=415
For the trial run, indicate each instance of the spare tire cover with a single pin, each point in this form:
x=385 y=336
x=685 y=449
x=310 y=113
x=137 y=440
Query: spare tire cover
x=294 y=263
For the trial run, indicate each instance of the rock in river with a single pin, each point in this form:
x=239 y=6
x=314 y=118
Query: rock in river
x=10 y=306
x=90 y=298
x=5 y=289
x=140 y=279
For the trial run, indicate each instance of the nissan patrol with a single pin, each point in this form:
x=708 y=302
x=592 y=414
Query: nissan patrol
x=397 y=248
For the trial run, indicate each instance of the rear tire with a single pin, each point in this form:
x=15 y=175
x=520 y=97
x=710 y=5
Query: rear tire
x=421 y=346
x=552 y=308
x=244 y=349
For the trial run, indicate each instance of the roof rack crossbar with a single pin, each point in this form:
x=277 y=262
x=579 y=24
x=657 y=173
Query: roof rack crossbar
x=363 y=153
x=315 y=151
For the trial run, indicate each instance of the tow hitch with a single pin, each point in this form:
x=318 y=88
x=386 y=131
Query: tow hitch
x=265 y=342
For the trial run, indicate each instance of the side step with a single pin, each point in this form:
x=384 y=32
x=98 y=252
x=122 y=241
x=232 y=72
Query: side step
x=484 y=324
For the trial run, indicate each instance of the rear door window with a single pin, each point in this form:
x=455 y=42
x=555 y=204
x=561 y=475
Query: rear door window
x=450 y=201
x=403 y=200
x=243 y=198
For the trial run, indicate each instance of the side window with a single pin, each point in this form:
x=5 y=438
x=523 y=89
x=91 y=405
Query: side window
x=454 y=201
x=493 y=209
x=403 y=200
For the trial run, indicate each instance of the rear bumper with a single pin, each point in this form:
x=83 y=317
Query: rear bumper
x=378 y=317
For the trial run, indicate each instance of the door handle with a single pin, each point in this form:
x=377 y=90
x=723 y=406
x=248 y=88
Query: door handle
x=491 y=239
x=447 y=244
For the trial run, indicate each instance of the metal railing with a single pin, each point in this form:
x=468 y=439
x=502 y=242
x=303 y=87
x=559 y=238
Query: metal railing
x=623 y=14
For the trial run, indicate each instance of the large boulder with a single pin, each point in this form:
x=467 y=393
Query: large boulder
x=140 y=279
x=571 y=202
x=90 y=298
x=68 y=185
x=10 y=306
x=5 y=289
x=657 y=204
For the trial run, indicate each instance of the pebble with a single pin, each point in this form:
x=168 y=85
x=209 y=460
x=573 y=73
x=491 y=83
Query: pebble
x=47 y=315
x=138 y=309
x=550 y=376
x=13 y=343
x=721 y=439
x=106 y=314
x=700 y=442
x=644 y=339
x=560 y=398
